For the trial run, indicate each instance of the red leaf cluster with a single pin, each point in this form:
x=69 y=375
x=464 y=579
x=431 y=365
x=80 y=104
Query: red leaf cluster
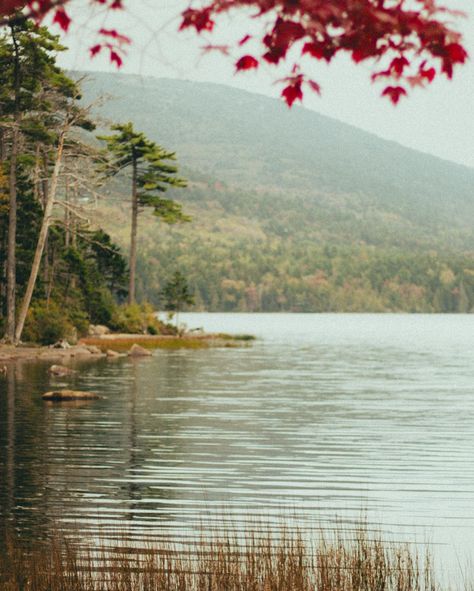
x=413 y=38
x=408 y=42
x=199 y=19
x=38 y=9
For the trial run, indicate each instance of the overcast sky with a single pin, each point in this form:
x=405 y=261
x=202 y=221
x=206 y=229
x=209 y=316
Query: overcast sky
x=438 y=120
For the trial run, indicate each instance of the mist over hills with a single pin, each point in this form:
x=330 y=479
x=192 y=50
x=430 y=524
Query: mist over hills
x=287 y=185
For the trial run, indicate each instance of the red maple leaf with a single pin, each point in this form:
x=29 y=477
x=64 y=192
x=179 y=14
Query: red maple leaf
x=428 y=74
x=292 y=93
x=394 y=93
x=246 y=62
x=398 y=65
x=115 y=58
x=456 y=53
x=62 y=19
x=95 y=49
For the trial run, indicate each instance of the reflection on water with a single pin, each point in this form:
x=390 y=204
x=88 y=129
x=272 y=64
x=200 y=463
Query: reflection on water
x=324 y=414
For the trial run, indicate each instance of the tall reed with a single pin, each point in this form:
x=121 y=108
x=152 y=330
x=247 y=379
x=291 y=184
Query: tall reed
x=252 y=561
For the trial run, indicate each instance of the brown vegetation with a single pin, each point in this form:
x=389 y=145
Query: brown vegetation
x=263 y=561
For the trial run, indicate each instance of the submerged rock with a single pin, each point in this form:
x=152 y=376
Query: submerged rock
x=61 y=370
x=137 y=351
x=58 y=395
x=112 y=354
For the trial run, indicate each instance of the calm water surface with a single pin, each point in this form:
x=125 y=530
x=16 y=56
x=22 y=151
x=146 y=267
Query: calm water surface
x=324 y=415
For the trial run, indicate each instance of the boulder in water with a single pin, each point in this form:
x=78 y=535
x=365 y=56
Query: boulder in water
x=61 y=370
x=137 y=351
x=59 y=395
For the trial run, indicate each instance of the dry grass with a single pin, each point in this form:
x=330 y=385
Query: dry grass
x=255 y=561
x=123 y=343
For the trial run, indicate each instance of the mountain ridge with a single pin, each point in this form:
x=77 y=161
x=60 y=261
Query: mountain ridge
x=320 y=196
x=90 y=74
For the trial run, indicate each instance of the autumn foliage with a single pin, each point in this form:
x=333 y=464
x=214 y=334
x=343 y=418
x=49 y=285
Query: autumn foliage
x=409 y=43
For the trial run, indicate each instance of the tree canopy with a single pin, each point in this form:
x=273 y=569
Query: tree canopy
x=409 y=43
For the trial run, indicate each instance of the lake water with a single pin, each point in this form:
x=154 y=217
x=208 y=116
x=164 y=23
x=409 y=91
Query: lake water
x=323 y=416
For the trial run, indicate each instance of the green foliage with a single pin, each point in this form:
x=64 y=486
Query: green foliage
x=82 y=272
x=176 y=293
x=47 y=323
x=85 y=280
x=30 y=80
x=271 y=252
x=155 y=173
x=138 y=319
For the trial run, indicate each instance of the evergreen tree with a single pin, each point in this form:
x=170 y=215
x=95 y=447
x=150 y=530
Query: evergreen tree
x=152 y=173
x=176 y=294
x=66 y=273
x=27 y=74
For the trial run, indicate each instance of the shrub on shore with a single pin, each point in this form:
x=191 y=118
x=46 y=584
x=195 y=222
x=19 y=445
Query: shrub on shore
x=139 y=319
x=47 y=323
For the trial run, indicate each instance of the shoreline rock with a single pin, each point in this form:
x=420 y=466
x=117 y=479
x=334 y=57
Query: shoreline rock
x=137 y=351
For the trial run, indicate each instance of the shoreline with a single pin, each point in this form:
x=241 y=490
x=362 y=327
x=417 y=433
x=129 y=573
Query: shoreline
x=96 y=347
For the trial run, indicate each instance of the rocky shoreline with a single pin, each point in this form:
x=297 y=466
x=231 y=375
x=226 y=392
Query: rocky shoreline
x=31 y=353
x=115 y=345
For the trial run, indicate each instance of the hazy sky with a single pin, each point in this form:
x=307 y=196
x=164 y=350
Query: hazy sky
x=438 y=120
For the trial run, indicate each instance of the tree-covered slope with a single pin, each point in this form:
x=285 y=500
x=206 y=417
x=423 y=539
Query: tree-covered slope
x=298 y=210
x=258 y=143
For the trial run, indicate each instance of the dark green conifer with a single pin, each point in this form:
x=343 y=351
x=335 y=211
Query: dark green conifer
x=153 y=172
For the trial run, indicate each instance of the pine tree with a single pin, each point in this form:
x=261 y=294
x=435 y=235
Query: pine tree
x=27 y=74
x=152 y=174
x=176 y=294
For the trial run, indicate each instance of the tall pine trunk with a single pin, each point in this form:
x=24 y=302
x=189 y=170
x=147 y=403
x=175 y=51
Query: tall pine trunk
x=133 y=237
x=42 y=238
x=12 y=205
x=11 y=242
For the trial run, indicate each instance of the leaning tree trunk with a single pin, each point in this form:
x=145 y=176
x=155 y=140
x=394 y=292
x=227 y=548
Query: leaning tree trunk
x=43 y=235
x=133 y=237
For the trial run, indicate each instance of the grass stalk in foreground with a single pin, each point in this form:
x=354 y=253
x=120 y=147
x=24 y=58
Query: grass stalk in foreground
x=255 y=561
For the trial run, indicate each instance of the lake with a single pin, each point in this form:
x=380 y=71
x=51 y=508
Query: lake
x=323 y=416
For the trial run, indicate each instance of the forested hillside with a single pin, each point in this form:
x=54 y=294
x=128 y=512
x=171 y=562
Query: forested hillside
x=292 y=210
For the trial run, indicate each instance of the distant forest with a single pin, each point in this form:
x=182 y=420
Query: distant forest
x=291 y=210
x=265 y=254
